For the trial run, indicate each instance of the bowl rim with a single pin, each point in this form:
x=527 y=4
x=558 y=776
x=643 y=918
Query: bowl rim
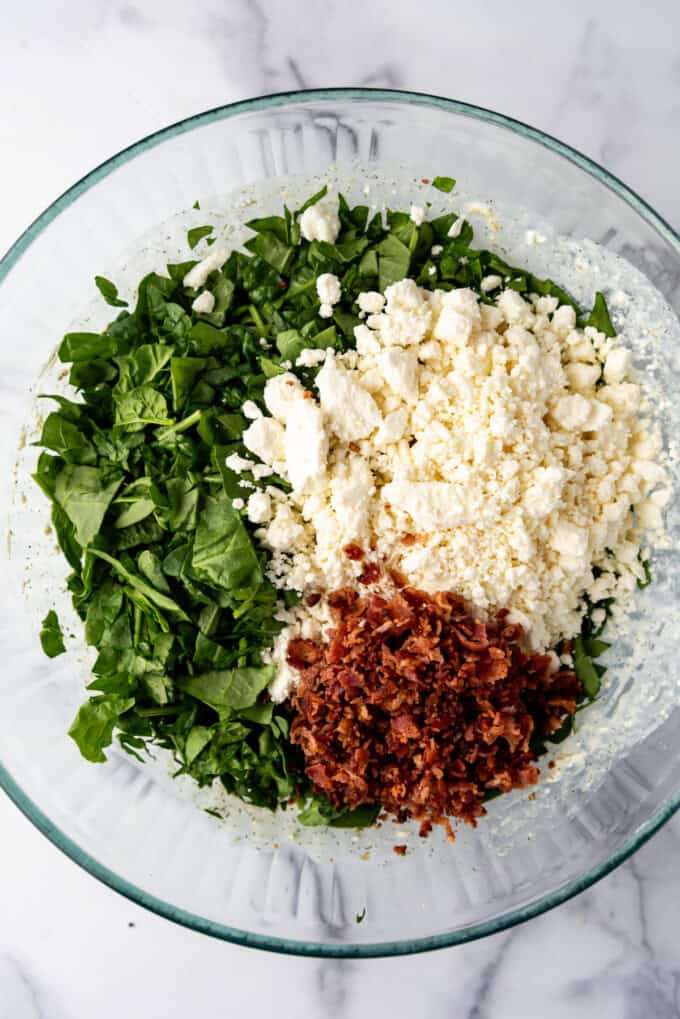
x=36 y=815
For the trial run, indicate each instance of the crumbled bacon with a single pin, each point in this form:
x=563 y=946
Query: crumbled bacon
x=415 y=705
x=369 y=574
x=353 y=551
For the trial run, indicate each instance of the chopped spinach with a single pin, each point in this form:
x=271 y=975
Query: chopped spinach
x=109 y=292
x=445 y=184
x=51 y=637
x=196 y=234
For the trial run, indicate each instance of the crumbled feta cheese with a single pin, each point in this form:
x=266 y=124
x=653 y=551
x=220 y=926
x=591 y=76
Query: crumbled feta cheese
x=306 y=444
x=266 y=439
x=617 y=366
x=238 y=464
x=436 y=250
x=371 y=302
x=407 y=315
x=534 y=237
x=514 y=308
x=198 y=274
x=490 y=283
x=325 y=311
x=280 y=392
x=328 y=288
x=351 y=411
x=582 y=376
x=417 y=214
x=571 y=412
x=259 y=508
x=251 y=410
x=399 y=368
x=238 y=504
x=320 y=222
x=456 y=228
x=309 y=357
x=204 y=303
x=564 y=320
x=285 y=530
x=366 y=342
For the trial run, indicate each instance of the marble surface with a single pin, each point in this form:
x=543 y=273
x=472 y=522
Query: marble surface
x=78 y=82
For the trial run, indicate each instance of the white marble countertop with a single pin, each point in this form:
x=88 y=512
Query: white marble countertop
x=81 y=80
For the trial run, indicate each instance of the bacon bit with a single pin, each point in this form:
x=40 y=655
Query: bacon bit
x=414 y=705
x=370 y=574
x=353 y=446
x=409 y=540
x=425 y=180
x=398 y=578
x=353 y=551
x=399 y=850
x=313 y=599
x=307 y=395
x=551 y=764
x=282 y=284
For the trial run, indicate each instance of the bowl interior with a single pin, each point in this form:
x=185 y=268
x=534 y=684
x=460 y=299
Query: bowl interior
x=260 y=878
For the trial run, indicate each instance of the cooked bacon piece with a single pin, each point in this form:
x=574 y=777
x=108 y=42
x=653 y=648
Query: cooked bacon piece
x=353 y=551
x=370 y=573
x=415 y=705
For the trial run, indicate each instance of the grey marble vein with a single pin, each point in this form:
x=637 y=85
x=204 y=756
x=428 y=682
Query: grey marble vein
x=18 y=996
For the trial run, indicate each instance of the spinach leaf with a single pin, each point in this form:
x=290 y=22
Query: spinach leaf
x=229 y=688
x=85 y=494
x=93 y=726
x=446 y=184
x=223 y=552
x=599 y=317
x=51 y=637
x=394 y=260
x=86 y=347
x=196 y=234
x=109 y=292
x=66 y=438
x=585 y=670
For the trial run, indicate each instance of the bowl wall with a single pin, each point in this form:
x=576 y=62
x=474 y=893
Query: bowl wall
x=261 y=880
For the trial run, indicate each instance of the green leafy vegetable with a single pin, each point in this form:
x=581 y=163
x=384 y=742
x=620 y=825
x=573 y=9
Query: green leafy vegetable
x=197 y=233
x=93 y=726
x=599 y=317
x=109 y=292
x=231 y=688
x=223 y=552
x=585 y=670
x=445 y=184
x=51 y=637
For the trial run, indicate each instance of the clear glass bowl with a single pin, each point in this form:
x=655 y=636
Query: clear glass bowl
x=260 y=880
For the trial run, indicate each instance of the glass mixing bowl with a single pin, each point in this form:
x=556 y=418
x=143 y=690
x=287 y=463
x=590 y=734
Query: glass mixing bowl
x=255 y=879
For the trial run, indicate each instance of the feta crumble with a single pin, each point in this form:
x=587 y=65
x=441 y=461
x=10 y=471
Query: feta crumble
x=204 y=304
x=320 y=222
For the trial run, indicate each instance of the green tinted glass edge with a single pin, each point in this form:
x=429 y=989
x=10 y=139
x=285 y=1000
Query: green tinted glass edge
x=62 y=841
